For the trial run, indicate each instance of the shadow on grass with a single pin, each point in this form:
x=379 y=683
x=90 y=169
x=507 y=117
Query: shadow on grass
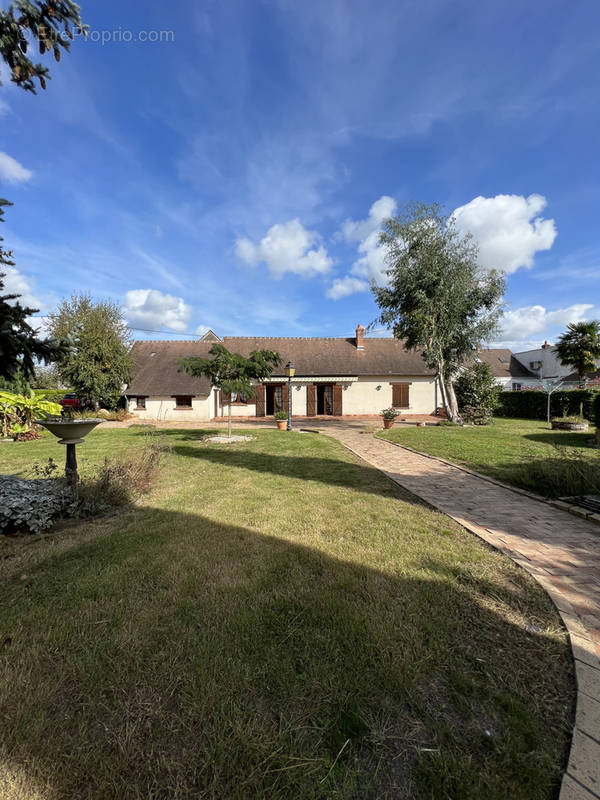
x=176 y=657
x=557 y=439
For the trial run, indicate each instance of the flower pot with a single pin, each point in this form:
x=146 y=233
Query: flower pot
x=388 y=423
x=282 y=424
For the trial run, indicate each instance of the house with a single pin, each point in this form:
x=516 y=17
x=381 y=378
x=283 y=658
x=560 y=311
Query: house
x=355 y=376
x=508 y=372
x=545 y=364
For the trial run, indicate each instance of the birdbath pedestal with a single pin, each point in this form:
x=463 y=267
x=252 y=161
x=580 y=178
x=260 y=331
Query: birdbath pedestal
x=70 y=432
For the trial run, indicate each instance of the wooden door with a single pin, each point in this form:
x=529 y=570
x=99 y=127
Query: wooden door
x=259 y=393
x=337 y=400
x=311 y=401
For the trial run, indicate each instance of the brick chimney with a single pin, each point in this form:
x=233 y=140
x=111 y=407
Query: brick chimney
x=360 y=337
x=545 y=346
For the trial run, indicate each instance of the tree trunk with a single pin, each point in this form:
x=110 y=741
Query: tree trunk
x=451 y=403
x=229 y=420
x=448 y=395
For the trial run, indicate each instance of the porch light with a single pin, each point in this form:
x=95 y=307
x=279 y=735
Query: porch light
x=290 y=370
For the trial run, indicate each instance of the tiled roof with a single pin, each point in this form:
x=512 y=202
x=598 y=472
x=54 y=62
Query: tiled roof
x=155 y=368
x=334 y=356
x=504 y=364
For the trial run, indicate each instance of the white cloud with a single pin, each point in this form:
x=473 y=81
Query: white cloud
x=12 y=171
x=342 y=287
x=507 y=228
x=17 y=283
x=371 y=264
x=529 y=322
x=287 y=247
x=149 y=308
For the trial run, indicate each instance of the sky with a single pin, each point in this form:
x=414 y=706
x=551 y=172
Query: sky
x=228 y=164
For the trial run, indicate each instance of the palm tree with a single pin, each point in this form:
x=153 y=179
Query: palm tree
x=579 y=346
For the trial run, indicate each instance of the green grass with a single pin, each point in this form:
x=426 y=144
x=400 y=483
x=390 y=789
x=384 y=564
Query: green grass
x=273 y=620
x=520 y=452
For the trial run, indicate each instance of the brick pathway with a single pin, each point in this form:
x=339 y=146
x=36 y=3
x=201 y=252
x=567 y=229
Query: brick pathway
x=560 y=551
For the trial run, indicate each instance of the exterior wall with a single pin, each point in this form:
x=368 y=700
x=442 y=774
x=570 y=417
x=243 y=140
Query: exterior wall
x=370 y=395
x=163 y=408
x=551 y=366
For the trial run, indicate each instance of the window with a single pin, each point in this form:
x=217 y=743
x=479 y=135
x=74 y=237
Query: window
x=183 y=401
x=516 y=387
x=400 y=395
x=239 y=398
x=140 y=403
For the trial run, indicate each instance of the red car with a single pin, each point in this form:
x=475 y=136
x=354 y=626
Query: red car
x=70 y=401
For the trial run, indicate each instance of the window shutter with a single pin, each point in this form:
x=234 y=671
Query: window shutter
x=400 y=395
x=311 y=401
x=337 y=400
x=284 y=397
x=259 y=392
x=225 y=398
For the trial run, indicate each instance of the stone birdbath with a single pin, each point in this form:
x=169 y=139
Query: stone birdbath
x=70 y=432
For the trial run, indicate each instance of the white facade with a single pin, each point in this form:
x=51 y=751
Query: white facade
x=544 y=363
x=164 y=408
x=360 y=396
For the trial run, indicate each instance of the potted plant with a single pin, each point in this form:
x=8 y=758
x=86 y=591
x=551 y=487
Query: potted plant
x=281 y=419
x=389 y=417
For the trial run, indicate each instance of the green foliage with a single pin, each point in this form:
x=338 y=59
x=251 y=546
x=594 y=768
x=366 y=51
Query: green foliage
x=231 y=372
x=98 y=363
x=574 y=418
x=389 y=413
x=595 y=416
x=280 y=415
x=50 y=22
x=54 y=395
x=532 y=404
x=579 y=346
x=30 y=506
x=18 y=412
x=438 y=299
x=47 y=378
x=477 y=393
x=567 y=474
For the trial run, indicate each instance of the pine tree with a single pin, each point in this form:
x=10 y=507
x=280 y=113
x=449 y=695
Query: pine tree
x=20 y=346
x=51 y=24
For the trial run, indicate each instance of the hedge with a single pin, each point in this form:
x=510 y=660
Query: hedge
x=533 y=404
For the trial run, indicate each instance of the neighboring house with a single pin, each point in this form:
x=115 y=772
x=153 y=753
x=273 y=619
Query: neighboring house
x=543 y=363
x=354 y=376
x=507 y=370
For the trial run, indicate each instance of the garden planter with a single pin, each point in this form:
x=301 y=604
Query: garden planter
x=558 y=425
x=282 y=424
x=388 y=423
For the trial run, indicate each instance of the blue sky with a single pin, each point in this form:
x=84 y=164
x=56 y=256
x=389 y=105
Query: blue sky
x=235 y=174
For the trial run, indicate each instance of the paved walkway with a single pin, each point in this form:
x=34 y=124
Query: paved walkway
x=562 y=553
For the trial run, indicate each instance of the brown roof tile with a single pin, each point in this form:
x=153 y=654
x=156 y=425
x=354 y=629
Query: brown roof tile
x=335 y=356
x=155 y=369
x=504 y=364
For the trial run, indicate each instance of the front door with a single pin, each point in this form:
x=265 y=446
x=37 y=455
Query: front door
x=273 y=398
x=325 y=398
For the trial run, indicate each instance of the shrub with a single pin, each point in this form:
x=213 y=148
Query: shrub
x=575 y=418
x=477 y=393
x=280 y=415
x=477 y=415
x=30 y=506
x=532 y=403
x=54 y=395
x=118 y=481
x=389 y=413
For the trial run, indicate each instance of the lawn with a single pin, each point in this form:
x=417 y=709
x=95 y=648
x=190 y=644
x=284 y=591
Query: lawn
x=273 y=620
x=521 y=452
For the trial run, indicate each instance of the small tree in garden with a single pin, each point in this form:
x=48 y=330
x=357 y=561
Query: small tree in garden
x=438 y=299
x=477 y=393
x=230 y=372
x=579 y=347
